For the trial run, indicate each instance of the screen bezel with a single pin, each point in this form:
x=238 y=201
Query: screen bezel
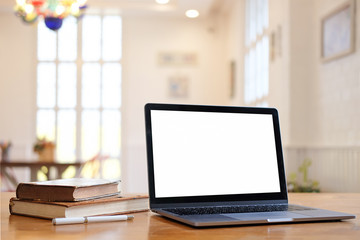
x=282 y=195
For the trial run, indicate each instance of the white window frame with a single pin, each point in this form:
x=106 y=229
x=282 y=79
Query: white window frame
x=78 y=108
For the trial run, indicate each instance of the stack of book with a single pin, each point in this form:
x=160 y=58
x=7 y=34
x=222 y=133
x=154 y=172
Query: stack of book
x=76 y=197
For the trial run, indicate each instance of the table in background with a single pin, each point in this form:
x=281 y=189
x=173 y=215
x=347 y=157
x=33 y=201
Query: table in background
x=6 y=168
x=147 y=225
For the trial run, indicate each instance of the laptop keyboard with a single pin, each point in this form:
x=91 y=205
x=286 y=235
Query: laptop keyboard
x=235 y=209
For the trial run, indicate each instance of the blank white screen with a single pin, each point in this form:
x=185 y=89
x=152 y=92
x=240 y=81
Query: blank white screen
x=205 y=153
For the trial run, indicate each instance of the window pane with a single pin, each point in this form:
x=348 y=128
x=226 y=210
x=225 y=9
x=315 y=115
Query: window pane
x=259 y=16
x=68 y=40
x=266 y=64
x=45 y=124
x=91 y=85
x=46 y=43
x=91 y=38
x=98 y=105
x=259 y=73
x=111 y=168
x=247 y=79
x=111 y=38
x=66 y=136
x=67 y=85
x=256 y=75
x=266 y=14
x=252 y=21
x=90 y=134
x=46 y=88
x=252 y=75
x=111 y=133
x=111 y=96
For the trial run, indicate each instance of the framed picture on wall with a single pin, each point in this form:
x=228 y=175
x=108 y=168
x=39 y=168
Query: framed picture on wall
x=338 y=32
x=177 y=59
x=178 y=86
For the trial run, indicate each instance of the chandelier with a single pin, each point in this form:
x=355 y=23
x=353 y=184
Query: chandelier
x=53 y=11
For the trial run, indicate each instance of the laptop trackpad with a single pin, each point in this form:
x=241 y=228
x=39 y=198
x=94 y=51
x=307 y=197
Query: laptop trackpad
x=263 y=215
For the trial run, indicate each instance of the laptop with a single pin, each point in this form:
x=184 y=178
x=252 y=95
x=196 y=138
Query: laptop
x=220 y=165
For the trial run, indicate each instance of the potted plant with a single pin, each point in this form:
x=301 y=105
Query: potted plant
x=45 y=149
x=306 y=185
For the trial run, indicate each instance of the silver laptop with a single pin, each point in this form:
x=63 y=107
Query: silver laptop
x=216 y=165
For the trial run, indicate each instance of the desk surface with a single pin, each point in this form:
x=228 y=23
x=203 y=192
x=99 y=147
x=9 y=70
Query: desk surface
x=147 y=225
x=37 y=164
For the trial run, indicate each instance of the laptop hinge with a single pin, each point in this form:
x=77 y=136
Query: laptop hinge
x=203 y=204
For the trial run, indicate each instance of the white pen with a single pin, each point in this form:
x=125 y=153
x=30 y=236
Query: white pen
x=75 y=220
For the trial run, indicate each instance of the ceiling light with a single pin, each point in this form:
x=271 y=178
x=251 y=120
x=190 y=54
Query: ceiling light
x=162 y=1
x=192 y=13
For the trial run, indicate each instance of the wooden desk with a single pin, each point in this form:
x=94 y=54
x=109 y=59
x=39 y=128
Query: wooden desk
x=147 y=225
x=34 y=168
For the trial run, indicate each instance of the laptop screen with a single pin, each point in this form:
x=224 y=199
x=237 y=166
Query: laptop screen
x=206 y=152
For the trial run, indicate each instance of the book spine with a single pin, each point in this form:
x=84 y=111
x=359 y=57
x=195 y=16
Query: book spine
x=45 y=193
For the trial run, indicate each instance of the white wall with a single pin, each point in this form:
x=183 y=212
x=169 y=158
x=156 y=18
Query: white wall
x=279 y=73
x=301 y=71
x=318 y=100
x=235 y=51
x=324 y=96
x=338 y=88
x=147 y=81
x=17 y=84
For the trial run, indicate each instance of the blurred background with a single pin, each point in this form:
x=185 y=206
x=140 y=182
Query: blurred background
x=71 y=100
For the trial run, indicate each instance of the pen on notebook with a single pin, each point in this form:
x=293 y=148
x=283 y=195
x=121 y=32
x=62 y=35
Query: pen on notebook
x=75 y=220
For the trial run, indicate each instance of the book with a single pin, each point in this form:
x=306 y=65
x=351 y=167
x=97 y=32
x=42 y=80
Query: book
x=95 y=207
x=73 y=189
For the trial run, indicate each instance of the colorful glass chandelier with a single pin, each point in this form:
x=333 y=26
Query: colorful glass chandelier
x=53 y=11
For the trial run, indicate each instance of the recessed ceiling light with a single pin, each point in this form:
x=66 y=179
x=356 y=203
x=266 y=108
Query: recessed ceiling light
x=162 y=1
x=192 y=13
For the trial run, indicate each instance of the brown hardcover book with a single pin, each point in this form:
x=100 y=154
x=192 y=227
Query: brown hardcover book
x=73 y=189
x=102 y=206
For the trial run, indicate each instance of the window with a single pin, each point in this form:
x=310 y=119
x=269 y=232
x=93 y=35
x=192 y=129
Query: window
x=256 y=86
x=79 y=89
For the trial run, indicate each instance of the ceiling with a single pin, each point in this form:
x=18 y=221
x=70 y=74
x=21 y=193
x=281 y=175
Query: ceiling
x=143 y=7
x=150 y=7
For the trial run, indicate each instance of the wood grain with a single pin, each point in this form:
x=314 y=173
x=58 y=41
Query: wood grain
x=147 y=225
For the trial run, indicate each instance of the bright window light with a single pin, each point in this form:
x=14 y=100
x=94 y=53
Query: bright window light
x=79 y=93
